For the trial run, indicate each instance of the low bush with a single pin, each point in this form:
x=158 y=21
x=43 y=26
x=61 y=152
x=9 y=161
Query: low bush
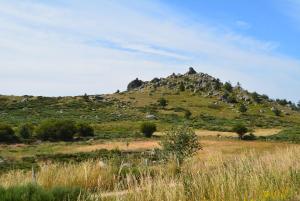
x=56 y=130
x=85 y=130
x=148 y=129
x=7 y=134
x=26 y=131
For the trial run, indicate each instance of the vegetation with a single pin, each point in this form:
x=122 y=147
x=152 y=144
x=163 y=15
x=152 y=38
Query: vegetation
x=240 y=129
x=31 y=192
x=85 y=130
x=181 y=142
x=56 y=130
x=148 y=128
x=243 y=108
x=162 y=102
x=7 y=134
x=26 y=131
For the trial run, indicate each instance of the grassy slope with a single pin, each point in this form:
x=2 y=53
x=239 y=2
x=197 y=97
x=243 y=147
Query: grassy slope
x=118 y=115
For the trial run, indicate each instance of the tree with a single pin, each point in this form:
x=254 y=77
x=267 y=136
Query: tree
x=26 y=131
x=55 y=130
x=241 y=130
x=243 y=108
x=256 y=97
x=181 y=142
x=7 y=134
x=162 y=102
x=148 y=128
x=228 y=86
x=85 y=130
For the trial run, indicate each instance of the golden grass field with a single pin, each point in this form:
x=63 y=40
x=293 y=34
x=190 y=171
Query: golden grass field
x=224 y=170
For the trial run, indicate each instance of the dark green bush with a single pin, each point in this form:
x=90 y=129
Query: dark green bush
x=148 y=129
x=85 y=130
x=228 y=86
x=26 y=131
x=56 y=130
x=187 y=114
x=7 y=134
x=243 y=108
x=162 y=102
x=33 y=192
x=240 y=129
x=251 y=136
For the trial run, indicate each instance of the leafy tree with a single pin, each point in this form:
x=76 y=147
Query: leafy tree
x=7 y=134
x=55 y=130
x=180 y=142
x=240 y=129
x=243 y=108
x=26 y=131
x=85 y=130
x=148 y=128
x=228 y=86
x=162 y=102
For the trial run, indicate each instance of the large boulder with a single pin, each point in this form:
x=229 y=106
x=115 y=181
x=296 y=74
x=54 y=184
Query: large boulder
x=191 y=71
x=134 y=84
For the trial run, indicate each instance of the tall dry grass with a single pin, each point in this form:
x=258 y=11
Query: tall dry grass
x=247 y=177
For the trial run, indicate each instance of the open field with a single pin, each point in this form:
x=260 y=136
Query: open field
x=270 y=172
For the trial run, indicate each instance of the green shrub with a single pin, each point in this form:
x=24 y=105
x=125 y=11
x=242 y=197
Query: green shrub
x=228 y=86
x=240 y=129
x=180 y=142
x=243 y=108
x=162 y=102
x=251 y=136
x=31 y=192
x=277 y=112
x=56 y=130
x=26 y=131
x=85 y=130
x=187 y=114
x=181 y=87
x=7 y=134
x=148 y=129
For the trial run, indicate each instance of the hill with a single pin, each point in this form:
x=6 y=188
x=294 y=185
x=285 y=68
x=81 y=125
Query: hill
x=197 y=99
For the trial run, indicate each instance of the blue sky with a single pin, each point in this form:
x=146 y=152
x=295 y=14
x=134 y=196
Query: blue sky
x=70 y=47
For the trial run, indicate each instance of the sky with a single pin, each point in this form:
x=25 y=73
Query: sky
x=72 y=47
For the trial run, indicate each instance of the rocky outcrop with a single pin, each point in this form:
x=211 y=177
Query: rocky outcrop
x=134 y=84
x=191 y=71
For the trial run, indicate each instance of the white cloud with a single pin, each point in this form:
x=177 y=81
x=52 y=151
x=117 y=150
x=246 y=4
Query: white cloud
x=55 y=50
x=242 y=24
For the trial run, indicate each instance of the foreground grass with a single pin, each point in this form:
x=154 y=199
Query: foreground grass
x=253 y=176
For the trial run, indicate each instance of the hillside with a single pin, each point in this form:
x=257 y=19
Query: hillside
x=211 y=105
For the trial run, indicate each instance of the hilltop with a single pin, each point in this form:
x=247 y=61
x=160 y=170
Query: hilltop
x=198 y=99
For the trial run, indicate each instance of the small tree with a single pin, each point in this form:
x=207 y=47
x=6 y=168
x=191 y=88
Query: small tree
x=7 y=134
x=26 y=131
x=162 y=102
x=180 y=142
x=148 y=129
x=243 y=108
x=228 y=86
x=241 y=130
x=85 y=130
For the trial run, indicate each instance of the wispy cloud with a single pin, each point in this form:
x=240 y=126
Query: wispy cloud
x=242 y=24
x=101 y=45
